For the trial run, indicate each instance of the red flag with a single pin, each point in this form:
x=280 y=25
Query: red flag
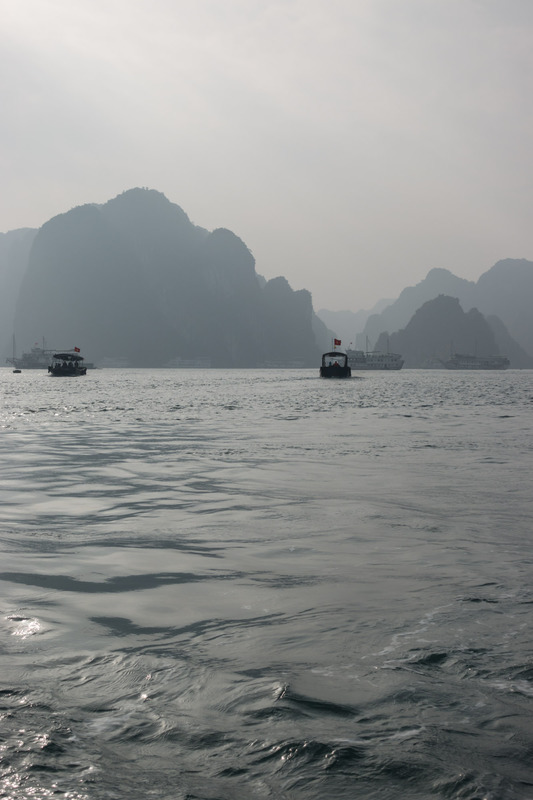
x=76 y=349
x=337 y=342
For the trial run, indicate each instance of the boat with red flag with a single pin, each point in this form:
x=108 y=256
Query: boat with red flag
x=335 y=363
x=67 y=363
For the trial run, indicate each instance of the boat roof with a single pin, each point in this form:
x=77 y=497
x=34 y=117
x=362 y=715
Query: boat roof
x=68 y=356
x=335 y=353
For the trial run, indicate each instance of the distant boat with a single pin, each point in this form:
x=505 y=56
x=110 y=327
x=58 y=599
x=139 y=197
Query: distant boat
x=359 y=360
x=12 y=360
x=459 y=361
x=335 y=365
x=67 y=364
x=37 y=358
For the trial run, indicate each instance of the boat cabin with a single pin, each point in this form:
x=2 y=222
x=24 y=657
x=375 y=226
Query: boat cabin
x=67 y=364
x=335 y=365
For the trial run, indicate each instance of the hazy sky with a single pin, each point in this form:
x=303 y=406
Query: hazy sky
x=352 y=144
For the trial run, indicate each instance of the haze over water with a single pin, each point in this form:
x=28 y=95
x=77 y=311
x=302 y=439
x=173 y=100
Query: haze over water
x=259 y=584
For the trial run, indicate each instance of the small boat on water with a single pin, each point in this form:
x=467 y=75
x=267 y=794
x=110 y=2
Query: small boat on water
x=66 y=364
x=335 y=365
x=460 y=361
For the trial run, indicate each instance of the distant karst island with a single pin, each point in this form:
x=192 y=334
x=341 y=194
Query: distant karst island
x=136 y=283
x=444 y=314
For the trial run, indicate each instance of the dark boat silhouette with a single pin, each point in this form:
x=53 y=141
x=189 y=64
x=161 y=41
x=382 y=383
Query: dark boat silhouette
x=335 y=365
x=66 y=364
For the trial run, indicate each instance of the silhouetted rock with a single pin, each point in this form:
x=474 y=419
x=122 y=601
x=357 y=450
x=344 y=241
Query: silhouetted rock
x=507 y=345
x=397 y=314
x=504 y=291
x=134 y=281
x=440 y=327
x=289 y=317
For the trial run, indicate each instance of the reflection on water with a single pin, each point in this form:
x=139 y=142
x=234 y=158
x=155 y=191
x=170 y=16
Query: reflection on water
x=225 y=584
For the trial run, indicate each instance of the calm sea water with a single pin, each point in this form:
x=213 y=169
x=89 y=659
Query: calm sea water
x=226 y=585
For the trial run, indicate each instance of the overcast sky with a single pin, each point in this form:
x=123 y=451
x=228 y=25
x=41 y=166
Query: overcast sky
x=352 y=144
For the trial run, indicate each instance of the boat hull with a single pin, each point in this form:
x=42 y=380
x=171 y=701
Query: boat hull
x=335 y=365
x=335 y=371
x=60 y=372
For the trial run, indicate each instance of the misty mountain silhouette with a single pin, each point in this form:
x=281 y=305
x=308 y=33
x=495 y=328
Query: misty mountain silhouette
x=503 y=292
x=439 y=328
x=135 y=281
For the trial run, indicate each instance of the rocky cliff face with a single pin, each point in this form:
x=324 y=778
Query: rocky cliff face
x=504 y=291
x=440 y=327
x=135 y=281
x=398 y=313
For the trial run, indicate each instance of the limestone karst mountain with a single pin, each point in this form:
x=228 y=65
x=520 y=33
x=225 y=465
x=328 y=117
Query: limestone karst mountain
x=398 y=313
x=135 y=281
x=441 y=327
x=504 y=291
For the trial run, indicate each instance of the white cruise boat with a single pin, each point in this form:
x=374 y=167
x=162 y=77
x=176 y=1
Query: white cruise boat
x=459 y=361
x=359 y=360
